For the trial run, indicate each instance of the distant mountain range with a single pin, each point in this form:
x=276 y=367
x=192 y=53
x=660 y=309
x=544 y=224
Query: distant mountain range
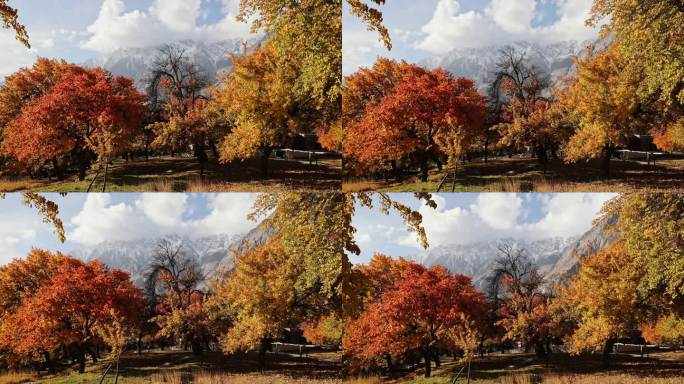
x=479 y=64
x=212 y=58
x=555 y=257
x=215 y=254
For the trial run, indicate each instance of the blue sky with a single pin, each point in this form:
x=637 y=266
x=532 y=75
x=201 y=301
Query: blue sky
x=94 y=218
x=463 y=218
x=459 y=219
x=76 y=30
x=425 y=28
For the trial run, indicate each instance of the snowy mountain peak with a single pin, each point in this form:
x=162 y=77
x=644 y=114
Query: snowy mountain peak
x=556 y=59
x=212 y=58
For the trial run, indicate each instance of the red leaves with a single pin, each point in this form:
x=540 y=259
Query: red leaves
x=67 y=308
x=417 y=110
x=86 y=108
x=423 y=308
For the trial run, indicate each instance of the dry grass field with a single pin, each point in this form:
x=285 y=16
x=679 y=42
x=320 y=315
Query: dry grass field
x=182 y=174
x=526 y=175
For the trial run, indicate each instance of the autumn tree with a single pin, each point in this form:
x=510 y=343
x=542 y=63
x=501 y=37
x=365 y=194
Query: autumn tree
x=603 y=301
x=517 y=287
x=366 y=87
x=424 y=310
x=427 y=114
x=652 y=226
x=172 y=287
x=604 y=102
x=261 y=297
x=526 y=91
x=306 y=35
x=69 y=312
x=177 y=87
x=89 y=115
x=302 y=275
x=24 y=87
x=649 y=226
x=266 y=113
x=10 y=20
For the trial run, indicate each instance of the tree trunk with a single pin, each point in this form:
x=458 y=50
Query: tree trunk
x=427 y=357
x=539 y=350
x=390 y=366
x=197 y=348
x=435 y=157
x=81 y=359
x=265 y=155
x=607 y=350
x=486 y=150
x=139 y=343
x=262 y=354
x=395 y=170
x=93 y=354
x=58 y=171
x=435 y=358
x=542 y=158
x=214 y=150
x=605 y=161
x=83 y=163
x=423 y=167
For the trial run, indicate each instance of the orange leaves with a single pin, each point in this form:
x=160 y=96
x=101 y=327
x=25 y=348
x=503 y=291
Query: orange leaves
x=69 y=307
x=422 y=309
x=74 y=109
x=397 y=110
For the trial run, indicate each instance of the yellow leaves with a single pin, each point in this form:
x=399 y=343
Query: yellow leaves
x=258 y=295
x=373 y=17
x=258 y=98
x=10 y=19
x=603 y=102
x=48 y=210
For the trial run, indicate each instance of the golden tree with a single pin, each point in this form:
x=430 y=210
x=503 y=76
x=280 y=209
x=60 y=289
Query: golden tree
x=604 y=103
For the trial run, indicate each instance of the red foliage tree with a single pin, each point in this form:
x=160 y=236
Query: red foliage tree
x=88 y=114
x=71 y=310
x=427 y=114
x=425 y=310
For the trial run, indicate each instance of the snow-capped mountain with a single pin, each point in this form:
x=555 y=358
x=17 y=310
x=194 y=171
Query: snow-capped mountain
x=212 y=58
x=587 y=245
x=215 y=254
x=555 y=60
x=134 y=255
x=475 y=259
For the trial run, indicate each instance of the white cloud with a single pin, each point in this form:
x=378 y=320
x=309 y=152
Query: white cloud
x=495 y=216
x=152 y=215
x=512 y=16
x=568 y=214
x=228 y=215
x=177 y=15
x=164 y=209
x=163 y=22
x=14 y=54
x=503 y=21
x=498 y=210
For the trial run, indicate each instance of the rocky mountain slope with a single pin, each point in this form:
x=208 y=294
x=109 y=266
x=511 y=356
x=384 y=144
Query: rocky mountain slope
x=479 y=64
x=215 y=254
x=556 y=258
x=212 y=58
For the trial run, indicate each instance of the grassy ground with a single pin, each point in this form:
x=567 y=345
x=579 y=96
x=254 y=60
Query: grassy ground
x=174 y=367
x=658 y=368
x=526 y=175
x=181 y=368
x=176 y=174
